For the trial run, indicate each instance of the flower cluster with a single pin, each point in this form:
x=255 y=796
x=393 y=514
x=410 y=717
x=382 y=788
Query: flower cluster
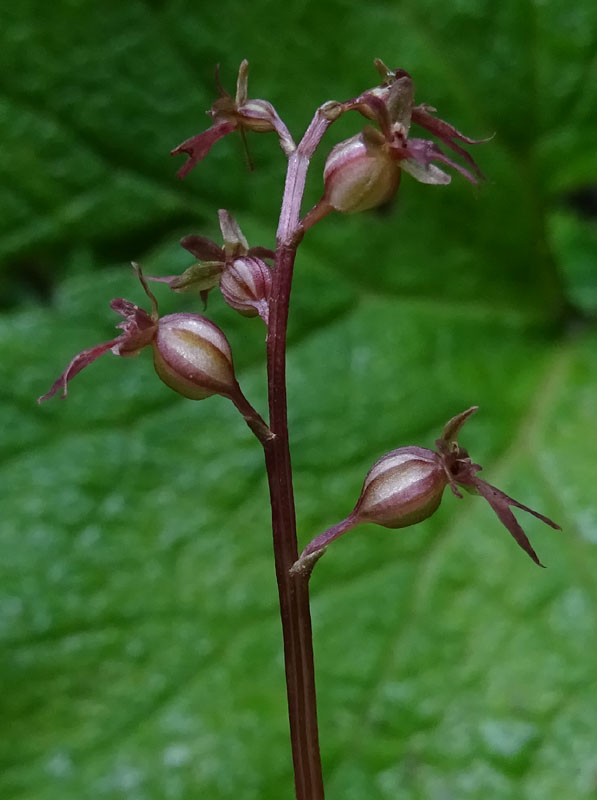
x=363 y=171
x=192 y=355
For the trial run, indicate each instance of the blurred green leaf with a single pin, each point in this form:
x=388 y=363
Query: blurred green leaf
x=138 y=616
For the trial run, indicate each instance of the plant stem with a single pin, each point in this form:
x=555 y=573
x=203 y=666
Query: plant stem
x=293 y=590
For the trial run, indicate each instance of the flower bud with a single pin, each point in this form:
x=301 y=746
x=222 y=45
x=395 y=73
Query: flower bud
x=402 y=488
x=246 y=285
x=192 y=356
x=360 y=173
x=258 y=116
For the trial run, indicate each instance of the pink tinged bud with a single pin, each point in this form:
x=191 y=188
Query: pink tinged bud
x=258 y=116
x=246 y=286
x=252 y=292
x=360 y=173
x=402 y=488
x=192 y=356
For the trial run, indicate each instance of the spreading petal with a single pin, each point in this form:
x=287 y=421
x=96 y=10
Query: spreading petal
x=500 y=503
x=424 y=151
x=447 y=133
x=79 y=362
x=197 y=147
x=425 y=173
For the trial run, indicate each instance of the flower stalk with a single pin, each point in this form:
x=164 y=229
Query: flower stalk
x=293 y=590
x=193 y=357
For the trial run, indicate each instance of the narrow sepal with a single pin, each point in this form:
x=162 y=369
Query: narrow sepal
x=202 y=248
x=242 y=82
x=150 y=295
x=511 y=501
x=500 y=503
x=453 y=426
x=234 y=239
x=374 y=108
x=440 y=128
x=385 y=73
x=261 y=252
x=197 y=278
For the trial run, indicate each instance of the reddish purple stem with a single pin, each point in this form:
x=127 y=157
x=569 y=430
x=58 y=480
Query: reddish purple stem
x=293 y=589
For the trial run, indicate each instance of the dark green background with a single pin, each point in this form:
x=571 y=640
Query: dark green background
x=141 y=644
